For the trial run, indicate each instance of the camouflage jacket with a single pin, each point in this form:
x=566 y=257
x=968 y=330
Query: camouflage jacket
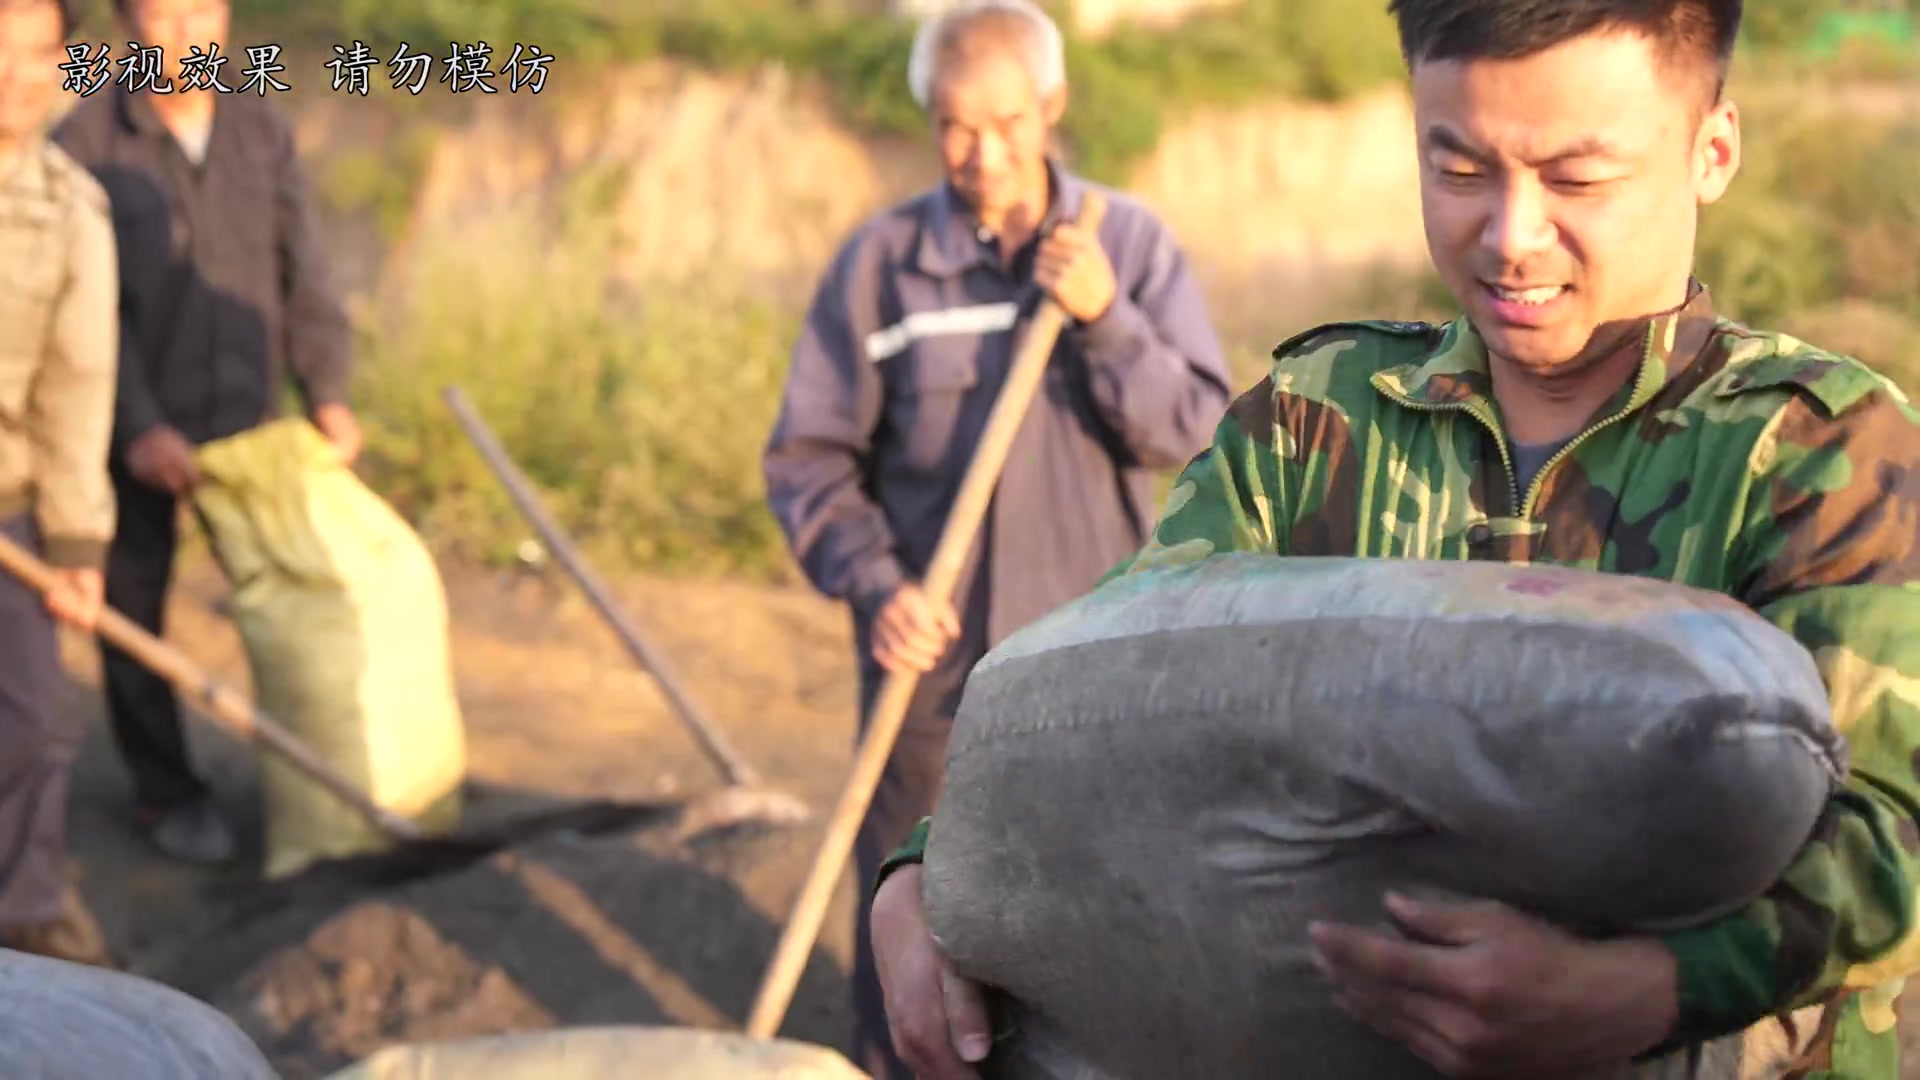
x=1744 y=462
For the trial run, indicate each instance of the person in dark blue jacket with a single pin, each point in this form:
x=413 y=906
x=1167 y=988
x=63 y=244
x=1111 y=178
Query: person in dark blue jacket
x=906 y=344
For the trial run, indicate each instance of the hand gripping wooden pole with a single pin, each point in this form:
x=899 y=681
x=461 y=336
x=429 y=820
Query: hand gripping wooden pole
x=222 y=703
x=890 y=705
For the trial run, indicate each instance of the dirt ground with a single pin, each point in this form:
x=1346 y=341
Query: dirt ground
x=622 y=928
x=625 y=927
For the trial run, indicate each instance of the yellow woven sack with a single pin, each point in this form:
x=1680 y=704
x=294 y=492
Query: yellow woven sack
x=344 y=620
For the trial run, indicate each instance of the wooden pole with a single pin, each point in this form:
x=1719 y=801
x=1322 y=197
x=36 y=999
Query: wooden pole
x=890 y=705
x=226 y=706
x=739 y=773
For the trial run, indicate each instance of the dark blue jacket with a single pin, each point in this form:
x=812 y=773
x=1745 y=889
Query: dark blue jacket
x=906 y=345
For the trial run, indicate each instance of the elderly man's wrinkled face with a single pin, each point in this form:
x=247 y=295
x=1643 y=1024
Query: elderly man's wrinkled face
x=1561 y=191
x=30 y=56
x=991 y=125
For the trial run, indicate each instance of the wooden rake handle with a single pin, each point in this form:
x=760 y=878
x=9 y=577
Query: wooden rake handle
x=890 y=706
x=226 y=706
x=738 y=772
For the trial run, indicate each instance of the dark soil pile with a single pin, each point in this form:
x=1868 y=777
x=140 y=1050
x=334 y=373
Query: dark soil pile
x=619 y=930
x=374 y=974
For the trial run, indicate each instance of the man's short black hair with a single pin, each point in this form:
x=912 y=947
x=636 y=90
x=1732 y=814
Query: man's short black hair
x=1688 y=32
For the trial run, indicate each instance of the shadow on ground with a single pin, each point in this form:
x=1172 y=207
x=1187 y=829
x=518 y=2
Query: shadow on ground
x=605 y=922
x=580 y=918
x=540 y=912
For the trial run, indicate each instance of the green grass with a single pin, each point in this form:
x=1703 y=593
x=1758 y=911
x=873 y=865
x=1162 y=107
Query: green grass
x=639 y=419
x=1824 y=216
x=379 y=183
x=1125 y=86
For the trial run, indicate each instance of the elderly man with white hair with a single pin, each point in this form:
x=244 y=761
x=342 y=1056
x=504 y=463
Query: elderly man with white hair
x=906 y=344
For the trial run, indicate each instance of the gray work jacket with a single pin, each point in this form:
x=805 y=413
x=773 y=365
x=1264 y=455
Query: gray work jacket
x=905 y=347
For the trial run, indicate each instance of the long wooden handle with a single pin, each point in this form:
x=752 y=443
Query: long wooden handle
x=890 y=705
x=222 y=703
x=739 y=773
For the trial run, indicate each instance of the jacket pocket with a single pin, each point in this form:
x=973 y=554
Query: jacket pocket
x=27 y=294
x=16 y=378
x=29 y=287
x=17 y=368
x=928 y=410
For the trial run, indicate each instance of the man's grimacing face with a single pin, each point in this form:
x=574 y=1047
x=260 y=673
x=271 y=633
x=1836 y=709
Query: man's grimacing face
x=1561 y=191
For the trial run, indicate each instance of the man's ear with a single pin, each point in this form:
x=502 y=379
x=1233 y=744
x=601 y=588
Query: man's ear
x=1054 y=105
x=1716 y=154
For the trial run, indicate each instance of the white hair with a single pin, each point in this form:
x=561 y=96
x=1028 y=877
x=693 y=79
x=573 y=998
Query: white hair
x=1044 y=54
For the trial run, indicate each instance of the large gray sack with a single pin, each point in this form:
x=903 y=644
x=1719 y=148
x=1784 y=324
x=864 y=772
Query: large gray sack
x=1153 y=790
x=62 y=1021
x=606 y=1053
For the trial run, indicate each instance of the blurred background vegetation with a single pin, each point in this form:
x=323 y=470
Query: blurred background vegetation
x=641 y=413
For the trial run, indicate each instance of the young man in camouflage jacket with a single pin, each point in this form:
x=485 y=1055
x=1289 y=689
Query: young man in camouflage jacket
x=1590 y=409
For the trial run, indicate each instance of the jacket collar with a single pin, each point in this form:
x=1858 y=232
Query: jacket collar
x=17 y=168
x=952 y=242
x=1456 y=371
x=136 y=114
